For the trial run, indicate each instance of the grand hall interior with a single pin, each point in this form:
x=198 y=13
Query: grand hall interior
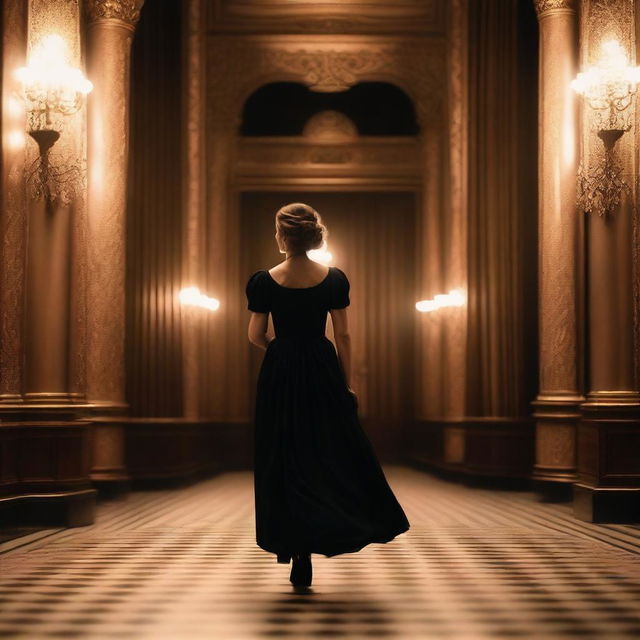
x=475 y=164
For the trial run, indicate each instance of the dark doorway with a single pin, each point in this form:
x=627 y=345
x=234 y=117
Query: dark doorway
x=282 y=108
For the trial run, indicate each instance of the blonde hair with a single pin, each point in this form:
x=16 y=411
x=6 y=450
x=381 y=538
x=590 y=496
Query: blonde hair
x=300 y=227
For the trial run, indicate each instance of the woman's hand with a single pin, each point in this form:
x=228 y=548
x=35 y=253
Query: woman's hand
x=353 y=395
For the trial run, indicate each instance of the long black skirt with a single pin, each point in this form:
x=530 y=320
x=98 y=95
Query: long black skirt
x=319 y=487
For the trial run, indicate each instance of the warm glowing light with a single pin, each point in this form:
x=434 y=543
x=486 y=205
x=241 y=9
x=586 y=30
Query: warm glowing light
x=191 y=296
x=16 y=140
x=322 y=255
x=50 y=85
x=48 y=68
x=14 y=107
x=455 y=298
x=611 y=83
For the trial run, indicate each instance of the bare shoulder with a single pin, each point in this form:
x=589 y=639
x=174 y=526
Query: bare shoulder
x=298 y=272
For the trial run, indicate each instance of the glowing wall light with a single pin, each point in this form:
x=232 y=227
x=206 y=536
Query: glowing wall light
x=191 y=296
x=322 y=255
x=608 y=88
x=609 y=85
x=52 y=90
x=16 y=139
x=455 y=298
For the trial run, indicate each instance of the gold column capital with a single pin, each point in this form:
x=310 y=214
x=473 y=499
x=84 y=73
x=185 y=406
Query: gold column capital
x=544 y=7
x=127 y=11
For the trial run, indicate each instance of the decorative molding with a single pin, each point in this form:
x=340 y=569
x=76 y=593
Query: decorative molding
x=544 y=7
x=271 y=155
x=238 y=66
x=127 y=11
x=346 y=16
x=327 y=71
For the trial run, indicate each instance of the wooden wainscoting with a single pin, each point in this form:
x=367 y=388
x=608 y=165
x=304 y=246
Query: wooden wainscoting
x=497 y=447
x=44 y=473
x=160 y=451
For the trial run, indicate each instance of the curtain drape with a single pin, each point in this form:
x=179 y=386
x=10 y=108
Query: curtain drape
x=502 y=153
x=154 y=218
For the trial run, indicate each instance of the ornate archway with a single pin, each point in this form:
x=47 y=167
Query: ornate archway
x=232 y=67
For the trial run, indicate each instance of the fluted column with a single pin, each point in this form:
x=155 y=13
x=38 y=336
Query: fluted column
x=556 y=406
x=111 y=25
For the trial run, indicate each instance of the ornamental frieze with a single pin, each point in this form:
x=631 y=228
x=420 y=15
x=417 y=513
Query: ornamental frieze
x=237 y=67
x=544 y=6
x=125 y=10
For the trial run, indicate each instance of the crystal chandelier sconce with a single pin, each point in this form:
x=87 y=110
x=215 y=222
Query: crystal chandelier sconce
x=608 y=88
x=52 y=90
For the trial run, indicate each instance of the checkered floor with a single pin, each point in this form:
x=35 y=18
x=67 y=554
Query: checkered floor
x=183 y=563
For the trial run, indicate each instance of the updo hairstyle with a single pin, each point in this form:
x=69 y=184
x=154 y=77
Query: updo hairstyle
x=300 y=227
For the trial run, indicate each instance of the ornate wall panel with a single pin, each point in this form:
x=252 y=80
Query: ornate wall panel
x=614 y=325
x=55 y=314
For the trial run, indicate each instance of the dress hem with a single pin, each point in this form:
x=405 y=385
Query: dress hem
x=284 y=557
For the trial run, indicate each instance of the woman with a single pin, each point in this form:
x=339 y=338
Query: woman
x=319 y=487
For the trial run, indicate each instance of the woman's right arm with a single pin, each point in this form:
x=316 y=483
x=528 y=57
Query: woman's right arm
x=343 y=341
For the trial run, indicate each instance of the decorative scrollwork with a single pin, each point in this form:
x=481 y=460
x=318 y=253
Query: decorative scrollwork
x=53 y=178
x=544 y=6
x=125 y=10
x=600 y=189
x=327 y=71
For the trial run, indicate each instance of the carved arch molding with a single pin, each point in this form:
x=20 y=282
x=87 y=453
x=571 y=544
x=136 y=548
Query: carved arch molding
x=237 y=66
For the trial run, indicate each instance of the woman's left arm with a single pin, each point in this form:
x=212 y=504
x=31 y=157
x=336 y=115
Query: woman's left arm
x=257 y=331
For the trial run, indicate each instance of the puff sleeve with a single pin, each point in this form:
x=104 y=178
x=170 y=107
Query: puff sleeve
x=257 y=293
x=340 y=290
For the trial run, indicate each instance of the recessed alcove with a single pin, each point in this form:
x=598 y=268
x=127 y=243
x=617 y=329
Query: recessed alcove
x=283 y=108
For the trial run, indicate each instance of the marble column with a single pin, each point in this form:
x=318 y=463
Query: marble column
x=556 y=406
x=111 y=25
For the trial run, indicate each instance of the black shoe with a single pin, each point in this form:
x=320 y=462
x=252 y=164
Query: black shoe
x=283 y=558
x=301 y=571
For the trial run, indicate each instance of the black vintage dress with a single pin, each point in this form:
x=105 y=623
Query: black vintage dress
x=319 y=487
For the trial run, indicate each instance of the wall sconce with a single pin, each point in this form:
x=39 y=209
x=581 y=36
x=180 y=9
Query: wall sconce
x=455 y=298
x=191 y=296
x=608 y=88
x=51 y=90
